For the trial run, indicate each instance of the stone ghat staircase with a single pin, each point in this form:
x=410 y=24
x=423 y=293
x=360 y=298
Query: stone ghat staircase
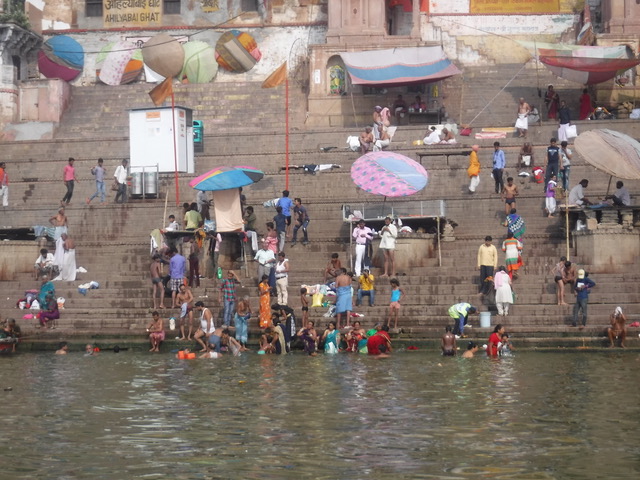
x=480 y=94
x=490 y=94
x=113 y=240
x=225 y=108
x=112 y=244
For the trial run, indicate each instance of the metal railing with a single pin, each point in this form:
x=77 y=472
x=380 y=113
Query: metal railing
x=403 y=210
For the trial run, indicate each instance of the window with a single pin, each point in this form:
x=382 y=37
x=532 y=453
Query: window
x=249 y=5
x=93 y=8
x=172 y=7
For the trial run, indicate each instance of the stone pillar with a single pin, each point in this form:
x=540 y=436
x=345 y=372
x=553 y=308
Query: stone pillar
x=621 y=16
x=16 y=46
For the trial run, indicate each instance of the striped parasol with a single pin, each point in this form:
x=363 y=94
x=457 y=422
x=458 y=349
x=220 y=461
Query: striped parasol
x=389 y=174
x=226 y=178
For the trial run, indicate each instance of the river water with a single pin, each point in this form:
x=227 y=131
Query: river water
x=416 y=415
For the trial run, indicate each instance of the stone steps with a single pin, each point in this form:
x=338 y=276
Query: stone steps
x=113 y=240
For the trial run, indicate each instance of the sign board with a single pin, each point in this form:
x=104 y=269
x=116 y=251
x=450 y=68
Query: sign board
x=514 y=6
x=128 y=13
x=209 y=6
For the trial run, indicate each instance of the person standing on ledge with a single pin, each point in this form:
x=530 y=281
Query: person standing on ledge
x=69 y=178
x=98 y=171
x=302 y=221
x=377 y=121
x=227 y=296
x=522 y=123
x=4 y=184
x=121 y=179
x=583 y=287
x=499 y=163
x=618 y=328
x=487 y=263
x=388 y=235
x=586 y=105
x=509 y=194
x=286 y=204
x=553 y=158
x=361 y=234
x=344 y=298
x=551 y=100
x=564 y=121
x=474 y=169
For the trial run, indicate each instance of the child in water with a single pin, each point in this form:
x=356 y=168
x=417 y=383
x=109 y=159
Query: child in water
x=397 y=294
x=504 y=347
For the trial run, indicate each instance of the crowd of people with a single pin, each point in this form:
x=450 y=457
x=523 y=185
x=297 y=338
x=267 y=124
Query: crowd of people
x=291 y=216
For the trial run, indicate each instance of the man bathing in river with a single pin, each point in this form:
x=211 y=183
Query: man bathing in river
x=448 y=343
x=618 y=328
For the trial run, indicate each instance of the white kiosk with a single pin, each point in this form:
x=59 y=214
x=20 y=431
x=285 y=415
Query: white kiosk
x=151 y=139
x=160 y=141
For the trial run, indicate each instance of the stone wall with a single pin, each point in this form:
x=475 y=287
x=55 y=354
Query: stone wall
x=68 y=14
x=17 y=257
x=482 y=39
x=610 y=249
x=277 y=45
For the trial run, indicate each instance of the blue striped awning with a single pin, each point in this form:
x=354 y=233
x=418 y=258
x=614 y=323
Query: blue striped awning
x=398 y=66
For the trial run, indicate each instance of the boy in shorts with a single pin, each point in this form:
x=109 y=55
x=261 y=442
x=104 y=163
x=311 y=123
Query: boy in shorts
x=184 y=299
x=305 y=305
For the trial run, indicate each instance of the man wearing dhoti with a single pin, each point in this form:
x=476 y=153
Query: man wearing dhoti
x=522 y=123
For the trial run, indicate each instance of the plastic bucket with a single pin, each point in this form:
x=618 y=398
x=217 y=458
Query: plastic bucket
x=485 y=319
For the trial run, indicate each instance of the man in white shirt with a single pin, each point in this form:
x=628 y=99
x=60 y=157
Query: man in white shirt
x=432 y=138
x=361 y=234
x=621 y=197
x=266 y=260
x=576 y=195
x=44 y=264
x=121 y=178
x=173 y=225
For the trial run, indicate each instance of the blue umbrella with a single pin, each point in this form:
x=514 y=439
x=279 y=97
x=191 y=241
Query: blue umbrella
x=226 y=178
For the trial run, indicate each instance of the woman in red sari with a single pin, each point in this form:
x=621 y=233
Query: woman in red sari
x=586 y=106
x=356 y=334
x=494 y=340
x=552 y=101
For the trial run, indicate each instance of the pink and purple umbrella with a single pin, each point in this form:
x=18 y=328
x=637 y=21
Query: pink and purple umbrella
x=389 y=174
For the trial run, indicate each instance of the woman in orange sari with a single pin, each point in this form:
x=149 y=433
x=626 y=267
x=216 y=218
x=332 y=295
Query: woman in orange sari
x=265 y=302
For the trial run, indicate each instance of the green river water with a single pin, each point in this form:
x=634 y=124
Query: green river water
x=416 y=415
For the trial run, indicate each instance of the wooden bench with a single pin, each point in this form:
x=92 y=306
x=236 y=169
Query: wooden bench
x=447 y=152
x=423 y=117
